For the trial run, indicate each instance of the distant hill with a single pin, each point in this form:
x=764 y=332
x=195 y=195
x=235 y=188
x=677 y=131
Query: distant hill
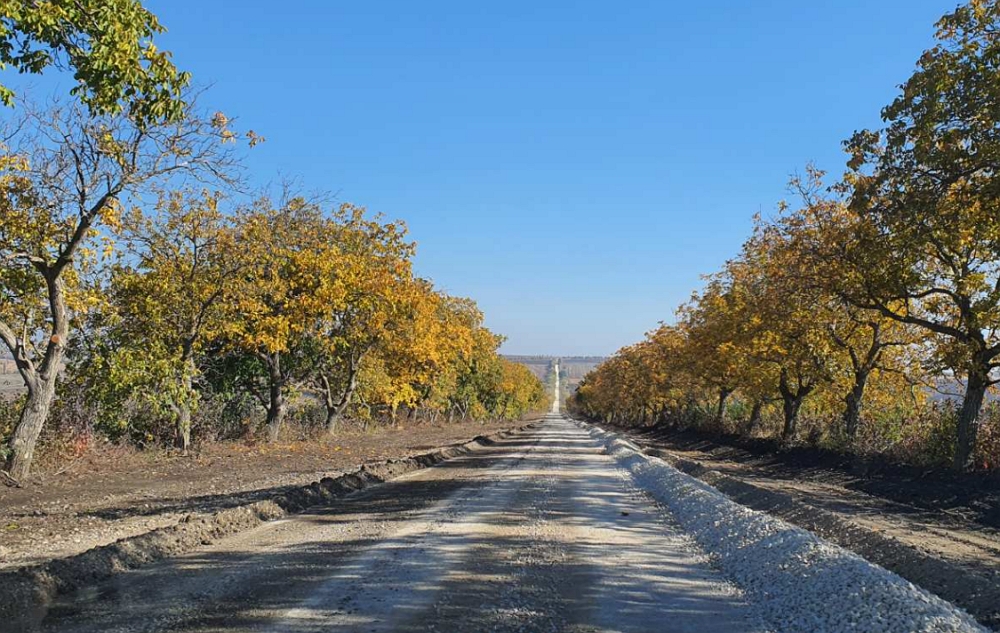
x=572 y=368
x=539 y=358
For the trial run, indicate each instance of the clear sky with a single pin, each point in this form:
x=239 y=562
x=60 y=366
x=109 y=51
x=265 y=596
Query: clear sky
x=573 y=166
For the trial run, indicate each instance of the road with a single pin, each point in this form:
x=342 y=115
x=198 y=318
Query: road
x=538 y=532
x=558 y=391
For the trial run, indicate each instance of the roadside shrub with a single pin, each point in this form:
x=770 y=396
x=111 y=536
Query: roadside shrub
x=306 y=419
x=927 y=437
x=987 y=455
x=916 y=435
x=225 y=417
x=10 y=410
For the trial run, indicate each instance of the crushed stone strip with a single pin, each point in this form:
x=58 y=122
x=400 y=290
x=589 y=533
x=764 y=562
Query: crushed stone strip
x=977 y=594
x=797 y=581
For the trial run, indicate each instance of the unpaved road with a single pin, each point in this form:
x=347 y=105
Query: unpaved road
x=538 y=532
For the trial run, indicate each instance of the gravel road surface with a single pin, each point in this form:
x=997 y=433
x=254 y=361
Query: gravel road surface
x=541 y=531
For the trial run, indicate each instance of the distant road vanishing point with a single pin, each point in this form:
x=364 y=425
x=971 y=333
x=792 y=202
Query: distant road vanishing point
x=555 y=399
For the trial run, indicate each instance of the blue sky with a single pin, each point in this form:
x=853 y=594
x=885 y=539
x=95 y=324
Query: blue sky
x=573 y=166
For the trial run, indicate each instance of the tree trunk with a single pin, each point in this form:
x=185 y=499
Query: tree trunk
x=276 y=396
x=330 y=403
x=852 y=408
x=29 y=427
x=720 y=409
x=41 y=380
x=184 y=409
x=968 y=416
x=791 y=403
x=184 y=426
x=335 y=409
x=755 y=413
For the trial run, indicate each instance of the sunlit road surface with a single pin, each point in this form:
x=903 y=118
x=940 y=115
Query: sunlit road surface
x=555 y=397
x=539 y=532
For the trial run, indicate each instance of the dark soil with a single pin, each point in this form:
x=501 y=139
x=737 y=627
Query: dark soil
x=975 y=496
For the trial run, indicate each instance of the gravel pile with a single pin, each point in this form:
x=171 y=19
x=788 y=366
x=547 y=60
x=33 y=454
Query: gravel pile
x=798 y=581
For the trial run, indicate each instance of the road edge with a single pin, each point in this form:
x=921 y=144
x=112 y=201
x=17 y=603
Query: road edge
x=980 y=597
x=780 y=564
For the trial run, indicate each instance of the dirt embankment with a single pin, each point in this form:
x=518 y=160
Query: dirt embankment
x=939 y=530
x=99 y=499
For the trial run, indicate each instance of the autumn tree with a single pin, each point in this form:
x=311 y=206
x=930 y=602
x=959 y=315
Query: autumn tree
x=291 y=280
x=714 y=353
x=438 y=358
x=107 y=45
x=402 y=369
x=822 y=235
x=460 y=381
x=641 y=384
x=519 y=391
x=441 y=336
x=66 y=176
x=927 y=185
x=373 y=268
x=170 y=297
x=664 y=380
x=782 y=328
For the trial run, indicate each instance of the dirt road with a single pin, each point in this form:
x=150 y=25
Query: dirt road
x=538 y=532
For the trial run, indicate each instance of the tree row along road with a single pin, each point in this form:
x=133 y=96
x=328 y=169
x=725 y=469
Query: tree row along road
x=538 y=532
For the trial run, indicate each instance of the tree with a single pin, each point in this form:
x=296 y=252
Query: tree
x=173 y=299
x=467 y=348
x=374 y=269
x=107 y=44
x=820 y=236
x=927 y=186
x=67 y=175
x=519 y=391
x=477 y=391
x=290 y=281
x=714 y=353
x=439 y=336
x=642 y=383
x=782 y=328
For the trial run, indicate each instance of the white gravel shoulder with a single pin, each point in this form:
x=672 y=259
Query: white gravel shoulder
x=798 y=581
